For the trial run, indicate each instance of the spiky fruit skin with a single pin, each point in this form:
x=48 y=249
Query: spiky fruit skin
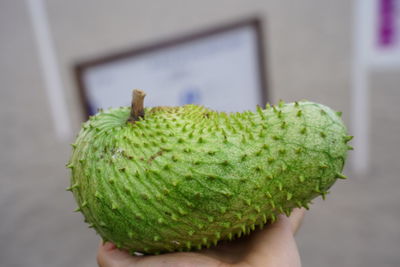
x=187 y=177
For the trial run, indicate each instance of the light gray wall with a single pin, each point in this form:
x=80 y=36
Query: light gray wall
x=308 y=45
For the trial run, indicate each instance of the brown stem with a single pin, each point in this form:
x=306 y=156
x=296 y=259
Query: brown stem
x=137 y=109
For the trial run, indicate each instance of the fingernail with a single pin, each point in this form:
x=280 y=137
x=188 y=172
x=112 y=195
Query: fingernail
x=109 y=246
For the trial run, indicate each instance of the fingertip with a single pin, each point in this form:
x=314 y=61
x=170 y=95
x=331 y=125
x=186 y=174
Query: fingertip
x=297 y=212
x=102 y=254
x=108 y=246
x=296 y=219
x=282 y=223
x=276 y=243
x=109 y=255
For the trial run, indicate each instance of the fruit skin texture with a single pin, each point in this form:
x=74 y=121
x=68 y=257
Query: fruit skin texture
x=186 y=177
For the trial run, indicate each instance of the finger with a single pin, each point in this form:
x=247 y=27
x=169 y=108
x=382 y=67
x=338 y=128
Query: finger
x=234 y=251
x=108 y=255
x=180 y=259
x=227 y=251
x=296 y=219
x=275 y=245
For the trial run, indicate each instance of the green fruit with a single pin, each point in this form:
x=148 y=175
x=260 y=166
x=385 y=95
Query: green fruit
x=186 y=177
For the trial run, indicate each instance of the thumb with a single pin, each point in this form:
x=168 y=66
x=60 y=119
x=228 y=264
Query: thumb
x=109 y=255
x=275 y=244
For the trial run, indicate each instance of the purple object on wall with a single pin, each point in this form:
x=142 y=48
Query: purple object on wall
x=387 y=23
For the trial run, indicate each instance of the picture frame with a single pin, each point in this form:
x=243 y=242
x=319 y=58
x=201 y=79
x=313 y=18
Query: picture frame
x=222 y=68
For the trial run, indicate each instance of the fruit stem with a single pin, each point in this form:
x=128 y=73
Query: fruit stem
x=137 y=109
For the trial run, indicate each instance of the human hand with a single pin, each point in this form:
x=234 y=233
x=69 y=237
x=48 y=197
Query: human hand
x=273 y=246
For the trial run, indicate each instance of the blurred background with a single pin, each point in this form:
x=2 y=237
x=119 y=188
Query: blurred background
x=341 y=53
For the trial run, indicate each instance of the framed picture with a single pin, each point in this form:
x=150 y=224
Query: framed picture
x=221 y=68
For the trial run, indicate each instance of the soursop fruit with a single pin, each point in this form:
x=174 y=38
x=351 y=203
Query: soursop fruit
x=179 y=178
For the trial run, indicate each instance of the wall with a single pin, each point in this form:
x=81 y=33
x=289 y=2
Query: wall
x=308 y=46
